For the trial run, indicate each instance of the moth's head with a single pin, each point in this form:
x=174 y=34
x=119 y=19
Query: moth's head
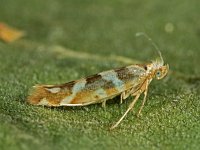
x=160 y=69
x=161 y=72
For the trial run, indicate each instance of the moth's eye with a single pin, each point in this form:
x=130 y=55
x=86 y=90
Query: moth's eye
x=158 y=74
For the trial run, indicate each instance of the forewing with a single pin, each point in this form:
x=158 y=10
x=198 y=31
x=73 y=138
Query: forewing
x=92 y=89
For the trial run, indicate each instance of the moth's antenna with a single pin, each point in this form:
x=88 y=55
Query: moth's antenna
x=152 y=43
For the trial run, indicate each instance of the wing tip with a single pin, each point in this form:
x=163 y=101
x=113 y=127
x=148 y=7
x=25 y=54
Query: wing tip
x=36 y=93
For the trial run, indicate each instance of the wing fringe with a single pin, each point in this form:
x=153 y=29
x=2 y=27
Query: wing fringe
x=36 y=94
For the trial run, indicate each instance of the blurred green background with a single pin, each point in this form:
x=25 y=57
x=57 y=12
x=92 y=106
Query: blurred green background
x=70 y=39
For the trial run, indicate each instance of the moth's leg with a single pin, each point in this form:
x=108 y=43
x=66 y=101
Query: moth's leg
x=129 y=108
x=145 y=97
x=104 y=104
x=122 y=97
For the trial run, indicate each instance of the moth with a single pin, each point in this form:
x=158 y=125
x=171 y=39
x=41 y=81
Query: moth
x=132 y=80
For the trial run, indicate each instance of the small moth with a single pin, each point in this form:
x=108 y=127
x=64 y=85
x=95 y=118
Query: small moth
x=127 y=81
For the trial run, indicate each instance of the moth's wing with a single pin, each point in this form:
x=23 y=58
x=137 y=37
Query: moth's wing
x=93 y=89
